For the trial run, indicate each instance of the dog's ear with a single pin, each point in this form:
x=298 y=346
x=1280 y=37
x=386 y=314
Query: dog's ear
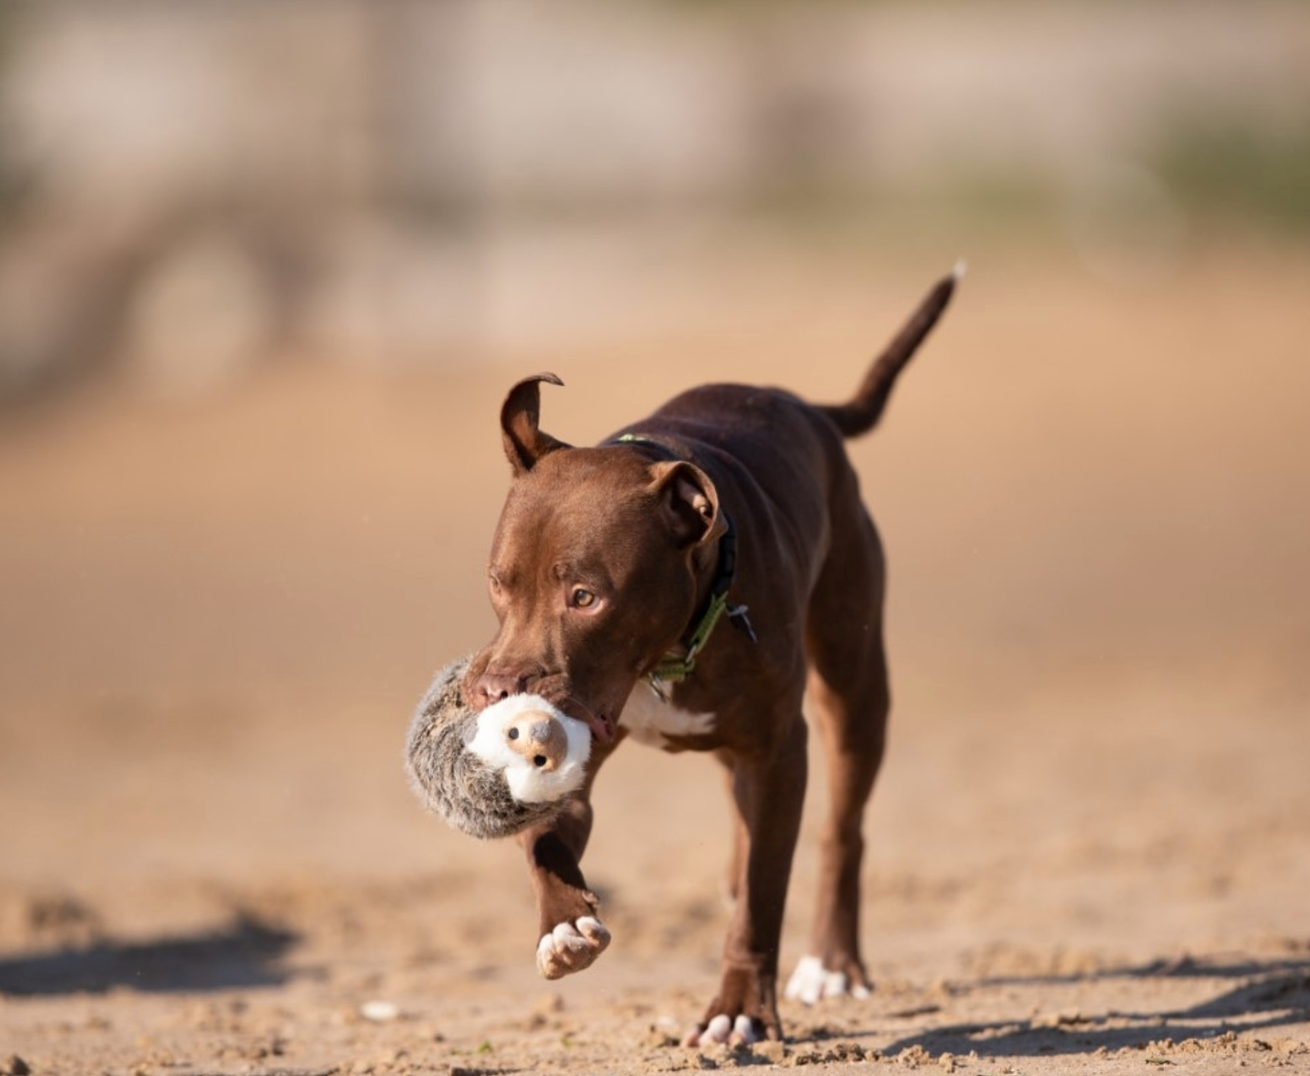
x=525 y=444
x=690 y=502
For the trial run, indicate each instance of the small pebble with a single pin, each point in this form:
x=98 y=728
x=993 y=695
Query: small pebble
x=380 y=1012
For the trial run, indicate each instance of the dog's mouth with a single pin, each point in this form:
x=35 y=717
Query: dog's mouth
x=558 y=691
x=602 y=727
x=597 y=720
x=600 y=723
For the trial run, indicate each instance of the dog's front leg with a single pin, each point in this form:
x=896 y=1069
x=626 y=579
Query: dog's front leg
x=768 y=793
x=571 y=934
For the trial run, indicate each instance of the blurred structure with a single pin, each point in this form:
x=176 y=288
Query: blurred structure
x=191 y=188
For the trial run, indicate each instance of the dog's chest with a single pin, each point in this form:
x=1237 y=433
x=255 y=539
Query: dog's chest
x=651 y=721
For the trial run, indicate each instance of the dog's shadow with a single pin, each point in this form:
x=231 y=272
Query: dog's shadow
x=1272 y=994
x=244 y=954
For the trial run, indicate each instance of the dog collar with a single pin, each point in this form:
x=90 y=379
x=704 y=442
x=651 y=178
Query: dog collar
x=674 y=668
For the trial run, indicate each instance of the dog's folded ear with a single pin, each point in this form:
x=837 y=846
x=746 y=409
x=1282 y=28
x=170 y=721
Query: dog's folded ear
x=525 y=444
x=690 y=501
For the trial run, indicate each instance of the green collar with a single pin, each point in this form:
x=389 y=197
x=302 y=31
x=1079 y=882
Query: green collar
x=674 y=668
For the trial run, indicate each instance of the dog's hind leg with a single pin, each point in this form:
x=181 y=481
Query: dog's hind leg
x=849 y=701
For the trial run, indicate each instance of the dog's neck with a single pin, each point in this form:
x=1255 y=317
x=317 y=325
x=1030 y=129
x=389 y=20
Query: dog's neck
x=678 y=663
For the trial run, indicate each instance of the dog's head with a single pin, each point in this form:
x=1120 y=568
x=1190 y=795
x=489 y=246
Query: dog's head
x=594 y=568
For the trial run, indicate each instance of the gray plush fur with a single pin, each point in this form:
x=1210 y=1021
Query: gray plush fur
x=453 y=782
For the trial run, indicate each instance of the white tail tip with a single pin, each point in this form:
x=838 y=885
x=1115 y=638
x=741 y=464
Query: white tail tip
x=961 y=267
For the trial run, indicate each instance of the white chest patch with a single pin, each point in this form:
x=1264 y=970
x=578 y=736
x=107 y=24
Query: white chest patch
x=652 y=721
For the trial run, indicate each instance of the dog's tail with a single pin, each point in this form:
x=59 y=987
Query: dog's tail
x=862 y=412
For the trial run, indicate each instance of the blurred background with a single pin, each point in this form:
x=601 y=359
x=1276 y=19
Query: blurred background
x=190 y=191
x=267 y=269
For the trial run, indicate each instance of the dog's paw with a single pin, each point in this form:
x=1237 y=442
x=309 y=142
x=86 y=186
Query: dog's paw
x=744 y=1010
x=812 y=982
x=722 y=1028
x=571 y=947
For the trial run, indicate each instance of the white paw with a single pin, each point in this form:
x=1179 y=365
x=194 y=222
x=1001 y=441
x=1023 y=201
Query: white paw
x=723 y=1029
x=811 y=982
x=569 y=948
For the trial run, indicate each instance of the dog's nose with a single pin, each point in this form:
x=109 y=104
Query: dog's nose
x=493 y=686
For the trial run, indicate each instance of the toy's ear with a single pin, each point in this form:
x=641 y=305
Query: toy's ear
x=690 y=502
x=525 y=444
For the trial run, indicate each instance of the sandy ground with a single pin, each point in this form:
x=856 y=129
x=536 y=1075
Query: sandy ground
x=1090 y=847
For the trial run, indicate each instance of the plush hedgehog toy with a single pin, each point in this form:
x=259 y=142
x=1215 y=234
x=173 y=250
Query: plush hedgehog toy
x=495 y=773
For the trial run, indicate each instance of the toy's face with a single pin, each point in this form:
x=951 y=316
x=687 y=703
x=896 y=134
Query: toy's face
x=541 y=751
x=590 y=584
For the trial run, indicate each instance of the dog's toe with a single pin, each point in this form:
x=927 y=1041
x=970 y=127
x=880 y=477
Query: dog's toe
x=811 y=982
x=571 y=947
x=744 y=1030
x=723 y=1029
x=716 y=1030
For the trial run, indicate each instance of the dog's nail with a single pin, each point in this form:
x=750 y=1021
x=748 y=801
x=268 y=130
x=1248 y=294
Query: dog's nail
x=743 y=1030
x=566 y=936
x=546 y=961
x=594 y=931
x=718 y=1029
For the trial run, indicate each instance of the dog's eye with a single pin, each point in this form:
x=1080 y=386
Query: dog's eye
x=539 y=760
x=582 y=598
x=513 y=734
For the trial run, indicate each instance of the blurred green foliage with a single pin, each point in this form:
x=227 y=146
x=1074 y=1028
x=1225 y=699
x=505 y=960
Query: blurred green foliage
x=1233 y=170
x=15 y=180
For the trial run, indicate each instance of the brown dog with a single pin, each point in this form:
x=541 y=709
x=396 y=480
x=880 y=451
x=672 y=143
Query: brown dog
x=718 y=550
